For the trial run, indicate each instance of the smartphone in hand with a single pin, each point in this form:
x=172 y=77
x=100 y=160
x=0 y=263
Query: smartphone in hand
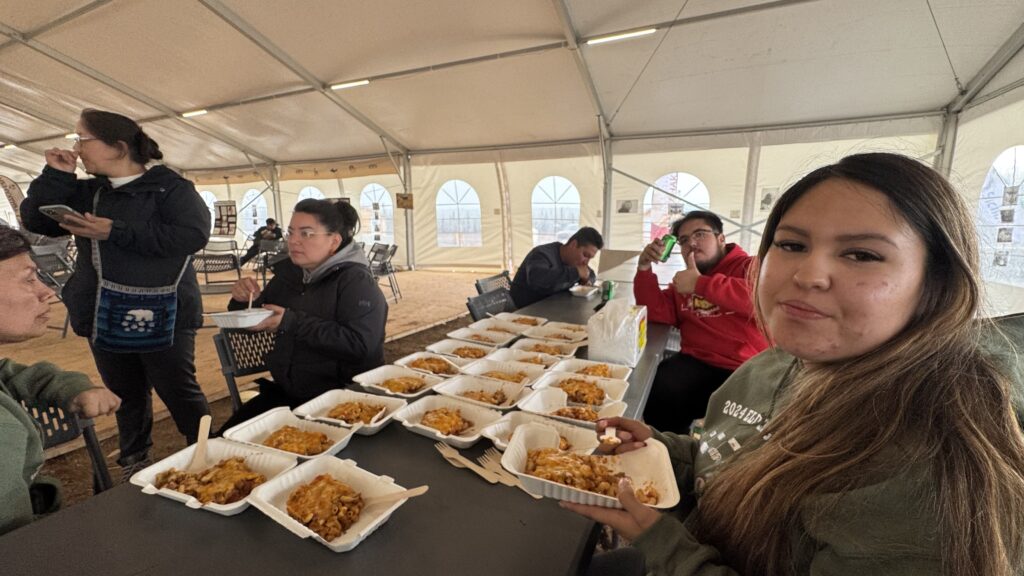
x=59 y=211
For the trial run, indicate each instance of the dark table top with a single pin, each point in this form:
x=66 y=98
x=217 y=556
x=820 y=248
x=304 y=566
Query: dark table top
x=462 y=526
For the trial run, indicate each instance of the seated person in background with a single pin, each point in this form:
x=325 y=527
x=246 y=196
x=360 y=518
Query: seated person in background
x=552 y=268
x=24 y=312
x=711 y=304
x=269 y=232
x=877 y=436
x=329 y=312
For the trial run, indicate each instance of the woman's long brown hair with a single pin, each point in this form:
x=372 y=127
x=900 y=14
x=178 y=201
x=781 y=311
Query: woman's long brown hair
x=929 y=390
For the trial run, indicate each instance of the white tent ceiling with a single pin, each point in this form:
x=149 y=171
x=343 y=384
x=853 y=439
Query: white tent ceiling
x=449 y=74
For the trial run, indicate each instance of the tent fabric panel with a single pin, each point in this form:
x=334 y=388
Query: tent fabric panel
x=528 y=98
x=598 y=18
x=972 y=33
x=184 y=147
x=427 y=180
x=28 y=16
x=376 y=37
x=803 y=62
x=1012 y=73
x=35 y=82
x=163 y=43
x=16 y=126
x=332 y=170
x=302 y=127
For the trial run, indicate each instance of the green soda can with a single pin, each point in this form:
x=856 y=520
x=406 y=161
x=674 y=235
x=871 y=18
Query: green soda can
x=607 y=290
x=669 y=241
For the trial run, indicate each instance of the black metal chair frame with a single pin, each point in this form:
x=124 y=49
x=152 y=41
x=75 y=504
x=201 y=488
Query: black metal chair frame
x=380 y=256
x=61 y=425
x=54 y=269
x=217 y=256
x=485 y=285
x=242 y=353
x=493 y=302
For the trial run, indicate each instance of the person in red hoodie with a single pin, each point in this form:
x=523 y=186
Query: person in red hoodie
x=711 y=304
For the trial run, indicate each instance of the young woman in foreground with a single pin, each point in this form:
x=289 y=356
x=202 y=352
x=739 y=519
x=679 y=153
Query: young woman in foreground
x=876 y=437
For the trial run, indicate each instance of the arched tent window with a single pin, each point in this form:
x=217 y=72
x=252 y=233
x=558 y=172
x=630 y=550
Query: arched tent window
x=208 y=199
x=660 y=209
x=556 y=210
x=310 y=192
x=377 y=214
x=1001 y=219
x=458 y=215
x=253 y=212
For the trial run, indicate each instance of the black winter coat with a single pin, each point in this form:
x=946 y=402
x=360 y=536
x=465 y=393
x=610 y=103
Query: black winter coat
x=332 y=329
x=159 y=221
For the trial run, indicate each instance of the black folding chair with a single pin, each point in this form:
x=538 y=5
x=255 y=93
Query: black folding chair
x=493 y=302
x=485 y=285
x=60 y=426
x=380 y=265
x=54 y=269
x=242 y=353
x=217 y=256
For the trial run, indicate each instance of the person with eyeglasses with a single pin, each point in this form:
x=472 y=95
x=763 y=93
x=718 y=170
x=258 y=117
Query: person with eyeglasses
x=134 y=292
x=711 y=304
x=329 y=314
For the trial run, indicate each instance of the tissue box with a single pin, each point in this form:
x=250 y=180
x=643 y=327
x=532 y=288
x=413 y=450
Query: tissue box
x=618 y=333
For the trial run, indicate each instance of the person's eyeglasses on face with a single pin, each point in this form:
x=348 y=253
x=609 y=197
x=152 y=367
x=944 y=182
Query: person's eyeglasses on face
x=77 y=140
x=698 y=235
x=304 y=234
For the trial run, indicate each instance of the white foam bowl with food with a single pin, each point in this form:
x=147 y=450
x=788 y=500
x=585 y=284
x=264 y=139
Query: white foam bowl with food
x=269 y=464
x=241 y=318
x=481 y=367
x=374 y=379
x=579 y=439
x=565 y=350
x=523 y=319
x=547 y=400
x=485 y=337
x=584 y=291
x=480 y=418
x=650 y=464
x=255 y=431
x=574 y=365
x=513 y=355
x=448 y=347
x=496 y=325
x=613 y=389
x=555 y=335
x=272 y=499
x=568 y=327
x=319 y=407
x=446 y=368
x=459 y=385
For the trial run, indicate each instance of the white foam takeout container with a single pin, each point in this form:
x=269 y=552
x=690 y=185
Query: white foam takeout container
x=255 y=430
x=317 y=408
x=241 y=318
x=454 y=387
x=568 y=350
x=555 y=335
x=511 y=316
x=272 y=499
x=580 y=439
x=270 y=464
x=496 y=338
x=407 y=360
x=448 y=346
x=571 y=365
x=648 y=464
x=371 y=379
x=480 y=417
x=584 y=291
x=513 y=355
x=496 y=325
x=568 y=327
x=547 y=400
x=613 y=389
x=533 y=371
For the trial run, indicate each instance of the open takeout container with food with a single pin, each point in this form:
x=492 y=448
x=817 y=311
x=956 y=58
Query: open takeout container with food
x=568 y=327
x=513 y=355
x=485 y=337
x=578 y=439
x=647 y=466
x=269 y=464
x=592 y=367
x=548 y=400
x=584 y=291
x=524 y=319
x=240 y=318
x=272 y=499
x=496 y=325
x=555 y=335
x=458 y=386
x=493 y=369
x=375 y=379
x=461 y=349
x=563 y=349
x=319 y=408
x=613 y=389
x=445 y=367
x=412 y=416
x=255 y=431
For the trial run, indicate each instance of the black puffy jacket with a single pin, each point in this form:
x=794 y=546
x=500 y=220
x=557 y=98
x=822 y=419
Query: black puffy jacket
x=332 y=329
x=159 y=220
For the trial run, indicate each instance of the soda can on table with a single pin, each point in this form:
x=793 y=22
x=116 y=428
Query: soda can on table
x=669 y=241
x=607 y=290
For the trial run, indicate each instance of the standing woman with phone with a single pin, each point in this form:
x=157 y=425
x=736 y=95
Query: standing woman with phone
x=134 y=293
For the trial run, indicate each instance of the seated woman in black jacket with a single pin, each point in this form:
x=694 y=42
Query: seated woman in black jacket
x=329 y=313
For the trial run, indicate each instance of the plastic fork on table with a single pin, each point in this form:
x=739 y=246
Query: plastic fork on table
x=456 y=459
x=492 y=461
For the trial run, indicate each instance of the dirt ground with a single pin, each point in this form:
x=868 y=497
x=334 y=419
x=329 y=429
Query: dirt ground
x=75 y=470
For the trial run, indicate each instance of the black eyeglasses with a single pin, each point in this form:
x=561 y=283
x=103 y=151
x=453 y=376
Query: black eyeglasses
x=698 y=235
